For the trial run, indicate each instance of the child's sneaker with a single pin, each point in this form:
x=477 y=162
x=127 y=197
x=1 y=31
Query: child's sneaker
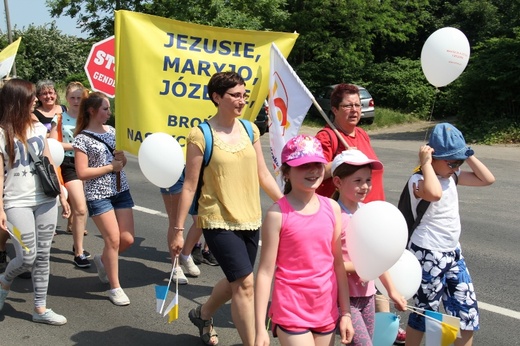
x=209 y=258
x=189 y=266
x=118 y=297
x=102 y=274
x=85 y=252
x=179 y=275
x=49 y=317
x=401 y=337
x=196 y=254
x=81 y=261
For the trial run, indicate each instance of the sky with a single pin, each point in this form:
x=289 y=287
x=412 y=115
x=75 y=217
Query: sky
x=26 y=12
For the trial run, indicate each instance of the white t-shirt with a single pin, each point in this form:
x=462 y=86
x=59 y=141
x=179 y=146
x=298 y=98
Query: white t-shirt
x=440 y=227
x=22 y=187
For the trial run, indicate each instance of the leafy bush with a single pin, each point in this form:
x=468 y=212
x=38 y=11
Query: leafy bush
x=46 y=53
x=401 y=85
x=489 y=87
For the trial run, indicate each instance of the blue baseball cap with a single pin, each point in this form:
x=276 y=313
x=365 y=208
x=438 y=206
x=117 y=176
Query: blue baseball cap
x=448 y=143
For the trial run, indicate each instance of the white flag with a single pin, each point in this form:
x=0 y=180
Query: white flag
x=289 y=102
x=7 y=56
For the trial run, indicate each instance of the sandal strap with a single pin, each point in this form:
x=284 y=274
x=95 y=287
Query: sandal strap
x=207 y=323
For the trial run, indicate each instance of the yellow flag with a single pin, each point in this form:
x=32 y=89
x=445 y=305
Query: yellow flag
x=7 y=56
x=449 y=334
x=164 y=65
x=16 y=235
x=173 y=309
x=173 y=314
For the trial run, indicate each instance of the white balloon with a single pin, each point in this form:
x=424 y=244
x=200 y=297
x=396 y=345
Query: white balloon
x=376 y=237
x=57 y=152
x=161 y=159
x=444 y=56
x=406 y=275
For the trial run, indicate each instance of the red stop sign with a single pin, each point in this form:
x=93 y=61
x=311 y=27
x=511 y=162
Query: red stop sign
x=101 y=67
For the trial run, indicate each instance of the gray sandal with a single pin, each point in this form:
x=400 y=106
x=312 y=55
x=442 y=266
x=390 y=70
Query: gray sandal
x=194 y=316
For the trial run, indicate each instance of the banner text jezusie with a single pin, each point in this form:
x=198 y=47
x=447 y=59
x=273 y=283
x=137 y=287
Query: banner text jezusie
x=211 y=46
x=203 y=67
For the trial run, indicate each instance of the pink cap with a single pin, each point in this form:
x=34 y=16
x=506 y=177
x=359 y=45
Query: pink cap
x=302 y=149
x=354 y=157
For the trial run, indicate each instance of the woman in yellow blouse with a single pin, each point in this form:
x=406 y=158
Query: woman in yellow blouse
x=229 y=205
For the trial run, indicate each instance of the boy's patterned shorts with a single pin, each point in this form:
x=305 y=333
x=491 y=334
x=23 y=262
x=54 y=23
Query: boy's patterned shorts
x=445 y=277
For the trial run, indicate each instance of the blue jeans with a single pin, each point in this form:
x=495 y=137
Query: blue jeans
x=122 y=200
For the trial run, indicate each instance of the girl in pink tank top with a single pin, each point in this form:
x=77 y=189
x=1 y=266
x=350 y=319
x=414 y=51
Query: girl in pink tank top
x=301 y=248
x=352 y=177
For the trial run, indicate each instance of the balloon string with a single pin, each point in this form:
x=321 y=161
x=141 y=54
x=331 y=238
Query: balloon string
x=426 y=316
x=412 y=309
x=437 y=91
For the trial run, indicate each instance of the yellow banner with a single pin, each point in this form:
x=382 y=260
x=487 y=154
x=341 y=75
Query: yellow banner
x=164 y=65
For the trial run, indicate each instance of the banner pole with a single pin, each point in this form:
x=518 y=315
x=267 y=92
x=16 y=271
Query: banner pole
x=340 y=137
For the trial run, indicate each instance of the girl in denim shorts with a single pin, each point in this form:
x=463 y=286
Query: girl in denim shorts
x=108 y=197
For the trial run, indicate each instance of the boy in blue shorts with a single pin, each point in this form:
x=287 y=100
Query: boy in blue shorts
x=435 y=241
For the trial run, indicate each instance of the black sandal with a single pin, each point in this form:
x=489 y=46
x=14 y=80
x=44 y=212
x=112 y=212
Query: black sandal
x=194 y=316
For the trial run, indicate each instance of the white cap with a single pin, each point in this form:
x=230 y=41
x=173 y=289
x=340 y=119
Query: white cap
x=356 y=158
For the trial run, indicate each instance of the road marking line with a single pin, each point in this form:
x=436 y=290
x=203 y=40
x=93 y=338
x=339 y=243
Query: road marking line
x=149 y=211
x=499 y=310
x=482 y=305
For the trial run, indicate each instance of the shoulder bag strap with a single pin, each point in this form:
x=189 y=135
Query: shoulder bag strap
x=35 y=157
x=59 y=125
x=421 y=208
x=208 y=140
x=333 y=140
x=99 y=140
x=249 y=129
x=118 y=174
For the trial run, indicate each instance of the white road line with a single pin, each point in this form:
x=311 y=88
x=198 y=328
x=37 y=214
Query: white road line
x=499 y=310
x=149 y=211
x=481 y=305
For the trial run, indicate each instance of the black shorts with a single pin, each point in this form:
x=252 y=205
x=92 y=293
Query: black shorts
x=68 y=169
x=235 y=251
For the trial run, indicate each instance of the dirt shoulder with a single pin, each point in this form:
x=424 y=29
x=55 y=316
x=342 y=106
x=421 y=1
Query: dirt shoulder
x=416 y=131
x=411 y=136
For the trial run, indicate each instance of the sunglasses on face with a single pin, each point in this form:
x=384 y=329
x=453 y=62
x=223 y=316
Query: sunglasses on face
x=454 y=164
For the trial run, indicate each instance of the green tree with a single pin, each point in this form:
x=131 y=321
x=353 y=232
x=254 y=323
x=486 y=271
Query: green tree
x=492 y=78
x=96 y=16
x=338 y=40
x=46 y=53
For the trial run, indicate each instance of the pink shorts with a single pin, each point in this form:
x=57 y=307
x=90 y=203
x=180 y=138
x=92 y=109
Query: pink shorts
x=324 y=330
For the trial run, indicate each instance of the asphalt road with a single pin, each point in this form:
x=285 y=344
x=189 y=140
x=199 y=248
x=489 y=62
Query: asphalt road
x=490 y=239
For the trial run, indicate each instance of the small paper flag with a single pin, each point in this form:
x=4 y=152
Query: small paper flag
x=160 y=294
x=15 y=234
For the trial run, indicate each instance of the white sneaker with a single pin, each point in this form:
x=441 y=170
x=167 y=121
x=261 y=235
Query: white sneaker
x=118 y=297
x=179 y=275
x=101 y=269
x=189 y=266
x=49 y=317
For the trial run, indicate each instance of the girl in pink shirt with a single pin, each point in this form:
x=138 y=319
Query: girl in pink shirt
x=352 y=176
x=301 y=247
